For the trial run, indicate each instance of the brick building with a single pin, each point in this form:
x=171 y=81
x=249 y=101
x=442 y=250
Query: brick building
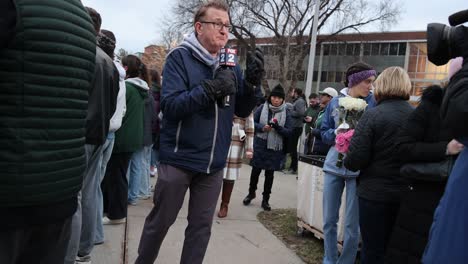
x=154 y=57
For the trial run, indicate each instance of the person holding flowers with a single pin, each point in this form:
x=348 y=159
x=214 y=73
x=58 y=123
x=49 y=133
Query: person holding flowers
x=359 y=79
x=272 y=128
x=373 y=152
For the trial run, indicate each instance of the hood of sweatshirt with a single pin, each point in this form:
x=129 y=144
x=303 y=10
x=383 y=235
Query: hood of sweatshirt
x=345 y=91
x=139 y=83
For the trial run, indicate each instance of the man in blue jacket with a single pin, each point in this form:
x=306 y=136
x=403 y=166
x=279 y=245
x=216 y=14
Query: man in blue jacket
x=196 y=131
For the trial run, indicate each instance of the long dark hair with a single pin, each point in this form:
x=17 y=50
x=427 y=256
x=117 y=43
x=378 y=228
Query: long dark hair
x=155 y=77
x=136 y=68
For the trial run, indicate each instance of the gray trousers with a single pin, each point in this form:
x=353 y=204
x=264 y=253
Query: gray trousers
x=84 y=220
x=42 y=244
x=168 y=197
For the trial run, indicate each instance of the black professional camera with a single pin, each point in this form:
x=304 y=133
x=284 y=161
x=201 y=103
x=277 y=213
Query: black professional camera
x=444 y=43
x=447 y=42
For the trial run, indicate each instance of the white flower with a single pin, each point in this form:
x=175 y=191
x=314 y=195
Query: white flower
x=350 y=103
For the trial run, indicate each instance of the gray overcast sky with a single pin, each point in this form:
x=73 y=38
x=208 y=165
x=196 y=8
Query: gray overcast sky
x=137 y=23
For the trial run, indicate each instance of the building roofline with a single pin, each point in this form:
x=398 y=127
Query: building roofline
x=360 y=37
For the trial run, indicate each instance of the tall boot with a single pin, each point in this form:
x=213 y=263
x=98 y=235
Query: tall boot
x=269 y=176
x=228 y=185
x=253 y=185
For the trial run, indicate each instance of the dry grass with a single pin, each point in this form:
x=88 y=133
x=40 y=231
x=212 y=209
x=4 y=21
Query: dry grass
x=283 y=224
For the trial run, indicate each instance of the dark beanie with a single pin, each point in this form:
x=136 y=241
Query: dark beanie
x=106 y=41
x=278 y=91
x=96 y=18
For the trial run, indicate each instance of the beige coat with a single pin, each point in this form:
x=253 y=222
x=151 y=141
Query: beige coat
x=241 y=143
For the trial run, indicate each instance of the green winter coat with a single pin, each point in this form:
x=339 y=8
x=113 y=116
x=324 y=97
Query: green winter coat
x=312 y=112
x=45 y=75
x=129 y=137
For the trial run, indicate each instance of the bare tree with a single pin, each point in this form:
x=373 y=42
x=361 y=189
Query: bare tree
x=121 y=53
x=289 y=24
x=171 y=35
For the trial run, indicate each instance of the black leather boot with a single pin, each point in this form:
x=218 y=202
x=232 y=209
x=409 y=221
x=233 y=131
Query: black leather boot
x=265 y=205
x=248 y=198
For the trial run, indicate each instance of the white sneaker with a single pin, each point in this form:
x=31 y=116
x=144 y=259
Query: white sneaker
x=83 y=260
x=107 y=221
x=145 y=197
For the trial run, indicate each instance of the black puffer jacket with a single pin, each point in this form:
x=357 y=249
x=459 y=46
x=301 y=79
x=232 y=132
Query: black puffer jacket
x=421 y=139
x=373 y=151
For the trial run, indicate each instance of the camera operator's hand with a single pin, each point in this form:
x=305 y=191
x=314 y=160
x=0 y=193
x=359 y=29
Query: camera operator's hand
x=255 y=67
x=224 y=83
x=454 y=147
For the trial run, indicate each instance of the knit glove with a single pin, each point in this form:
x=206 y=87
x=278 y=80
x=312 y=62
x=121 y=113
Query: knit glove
x=255 y=69
x=223 y=84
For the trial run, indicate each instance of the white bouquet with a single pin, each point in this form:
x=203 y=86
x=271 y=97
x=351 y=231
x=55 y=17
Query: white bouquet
x=349 y=112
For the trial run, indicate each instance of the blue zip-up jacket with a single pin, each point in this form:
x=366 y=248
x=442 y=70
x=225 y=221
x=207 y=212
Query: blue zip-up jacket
x=196 y=133
x=329 y=124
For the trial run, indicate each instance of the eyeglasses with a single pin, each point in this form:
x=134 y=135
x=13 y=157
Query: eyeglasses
x=218 y=25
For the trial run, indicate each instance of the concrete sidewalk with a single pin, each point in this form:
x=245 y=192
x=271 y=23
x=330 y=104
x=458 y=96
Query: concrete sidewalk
x=238 y=238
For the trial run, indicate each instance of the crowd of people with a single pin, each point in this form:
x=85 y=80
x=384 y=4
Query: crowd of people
x=83 y=132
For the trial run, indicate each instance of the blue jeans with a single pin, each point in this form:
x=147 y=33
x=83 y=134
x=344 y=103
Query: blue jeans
x=145 y=189
x=134 y=174
x=107 y=151
x=333 y=187
x=84 y=219
x=155 y=157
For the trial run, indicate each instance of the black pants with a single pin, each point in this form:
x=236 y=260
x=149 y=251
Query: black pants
x=41 y=244
x=168 y=197
x=376 y=221
x=115 y=186
x=293 y=140
x=268 y=184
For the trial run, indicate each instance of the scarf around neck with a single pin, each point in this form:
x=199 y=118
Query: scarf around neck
x=273 y=138
x=191 y=42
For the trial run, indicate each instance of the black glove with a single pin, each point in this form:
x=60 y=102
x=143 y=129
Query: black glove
x=255 y=67
x=274 y=125
x=224 y=83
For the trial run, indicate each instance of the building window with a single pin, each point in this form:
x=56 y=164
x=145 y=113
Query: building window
x=393 y=49
x=367 y=49
x=349 y=50
x=317 y=50
x=375 y=49
x=326 y=50
x=333 y=50
x=331 y=77
x=384 y=49
x=339 y=77
x=402 y=49
x=323 y=77
x=315 y=76
x=357 y=49
x=341 y=49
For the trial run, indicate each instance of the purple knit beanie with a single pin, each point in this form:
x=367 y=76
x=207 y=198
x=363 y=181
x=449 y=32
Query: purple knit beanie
x=358 y=77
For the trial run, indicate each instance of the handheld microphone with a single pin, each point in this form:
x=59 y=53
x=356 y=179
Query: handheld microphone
x=227 y=60
x=458 y=18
